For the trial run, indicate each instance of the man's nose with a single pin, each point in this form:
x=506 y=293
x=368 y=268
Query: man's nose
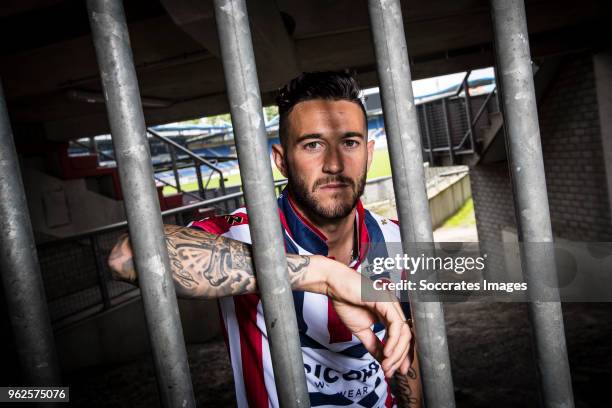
x=333 y=162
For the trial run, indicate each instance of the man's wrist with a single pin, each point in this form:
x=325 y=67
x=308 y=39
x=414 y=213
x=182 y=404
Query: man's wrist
x=315 y=276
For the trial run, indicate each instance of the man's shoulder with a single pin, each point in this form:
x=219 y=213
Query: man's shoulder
x=224 y=224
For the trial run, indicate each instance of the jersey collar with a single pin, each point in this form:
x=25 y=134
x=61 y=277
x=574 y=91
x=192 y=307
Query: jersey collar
x=309 y=237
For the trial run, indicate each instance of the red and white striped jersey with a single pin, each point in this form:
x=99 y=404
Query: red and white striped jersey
x=339 y=370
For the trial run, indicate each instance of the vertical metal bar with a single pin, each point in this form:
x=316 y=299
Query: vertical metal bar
x=468 y=111
x=222 y=188
x=449 y=138
x=531 y=200
x=252 y=147
x=428 y=133
x=179 y=219
x=177 y=179
x=123 y=105
x=198 y=171
x=404 y=143
x=92 y=145
x=23 y=286
x=93 y=239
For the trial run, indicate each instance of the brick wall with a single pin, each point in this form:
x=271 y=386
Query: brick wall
x=573 y=161
x=573 y=155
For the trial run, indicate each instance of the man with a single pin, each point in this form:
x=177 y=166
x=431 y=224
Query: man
x=325 y=155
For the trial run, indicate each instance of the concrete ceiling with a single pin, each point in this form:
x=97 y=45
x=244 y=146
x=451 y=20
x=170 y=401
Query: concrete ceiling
x=47 y=55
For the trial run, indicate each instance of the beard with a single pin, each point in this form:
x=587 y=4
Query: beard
x=340 y=207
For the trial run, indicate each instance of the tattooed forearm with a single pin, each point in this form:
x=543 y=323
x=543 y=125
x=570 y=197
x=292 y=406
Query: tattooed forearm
x=205 y=265
x=297 y=265
x=405 y=392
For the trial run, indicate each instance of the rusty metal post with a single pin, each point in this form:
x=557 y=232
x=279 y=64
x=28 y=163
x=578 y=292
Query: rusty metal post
x=124 y=108
x=404 y=141
x=531 y=200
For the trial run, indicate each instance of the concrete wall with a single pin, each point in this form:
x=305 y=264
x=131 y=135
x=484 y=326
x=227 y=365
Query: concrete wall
x=120 y=334
x=446 y=193
x=56 y=206
x=573 y=159
x=447 y=201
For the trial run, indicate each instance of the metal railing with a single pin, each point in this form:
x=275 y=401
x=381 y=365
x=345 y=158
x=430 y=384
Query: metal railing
x=197 y=163
x=448 y=125
x=75 y=273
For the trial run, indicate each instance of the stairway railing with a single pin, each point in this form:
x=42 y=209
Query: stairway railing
x=197 y=160
x=467 y=143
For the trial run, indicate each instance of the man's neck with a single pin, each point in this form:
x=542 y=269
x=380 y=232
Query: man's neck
x=340 y=233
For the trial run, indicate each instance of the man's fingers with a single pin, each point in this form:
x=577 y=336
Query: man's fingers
x=394 y=321
x=400 y=352
x=405 y=366
x=371 y=343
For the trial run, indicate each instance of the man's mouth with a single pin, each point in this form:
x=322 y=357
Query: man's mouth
x=333 y=186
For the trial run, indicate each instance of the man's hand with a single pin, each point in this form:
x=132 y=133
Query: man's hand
x=344 y=287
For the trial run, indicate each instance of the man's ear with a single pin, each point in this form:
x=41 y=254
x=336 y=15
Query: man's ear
x=279 y=158
x=370 y=146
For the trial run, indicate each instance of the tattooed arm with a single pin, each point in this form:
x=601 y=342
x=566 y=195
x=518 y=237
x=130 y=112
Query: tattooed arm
x=207 y=266
x=407 y=387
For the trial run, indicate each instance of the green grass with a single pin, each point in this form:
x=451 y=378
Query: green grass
x=462 y=218
x=381 y=166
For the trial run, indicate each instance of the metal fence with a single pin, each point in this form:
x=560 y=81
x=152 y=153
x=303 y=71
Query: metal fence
x=21 y=277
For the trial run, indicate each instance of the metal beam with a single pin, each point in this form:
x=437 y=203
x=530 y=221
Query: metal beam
x=123 y=105
x=404 y=141
x=23 y=286
x=531 y=200
x=252 y=147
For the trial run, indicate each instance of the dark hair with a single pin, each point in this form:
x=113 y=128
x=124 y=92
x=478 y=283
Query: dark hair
x=330 y=85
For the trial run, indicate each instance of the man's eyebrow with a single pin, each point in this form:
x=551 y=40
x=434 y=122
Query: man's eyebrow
x=309 y=136
x=353 y=134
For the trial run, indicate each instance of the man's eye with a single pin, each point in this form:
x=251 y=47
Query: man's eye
x=311 y=145
x=351 y=143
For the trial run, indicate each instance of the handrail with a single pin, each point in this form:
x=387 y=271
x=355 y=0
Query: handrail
x=467 y=133
x=184 y=150
x=108 y=156
x=475 y=119
x=192 y=155
x=173 y=211
x=178 y=210
x=463 y=82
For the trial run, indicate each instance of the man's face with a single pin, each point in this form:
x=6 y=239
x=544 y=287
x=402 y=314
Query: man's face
x=326 y=157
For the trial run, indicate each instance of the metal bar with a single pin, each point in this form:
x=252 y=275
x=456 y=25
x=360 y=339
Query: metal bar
x=448 y=132
x=177 y=179
x=92 y=144
x=404 y=143
x=428 y=134
x=468 y=112
x=185 y=208
x=184 y=150
x=483 y=107
x=156 y=178
x=114 y=55
x=99 y=259
x=462 y=84
x=21 y=278
x=252 y=146
x=198 y=171
x=531 y=200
